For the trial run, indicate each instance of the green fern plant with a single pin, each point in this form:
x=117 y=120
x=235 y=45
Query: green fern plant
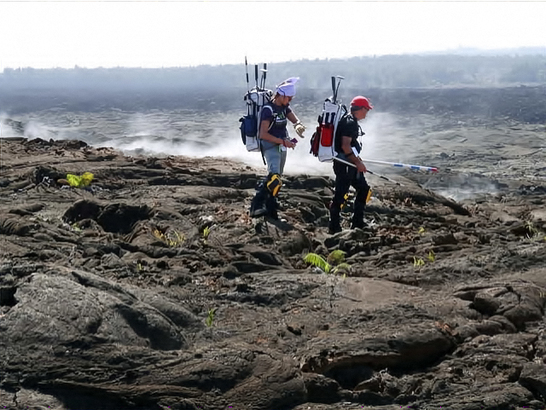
x=316 y=260
x=336 y=257
x=342 y=267
x=332 y=264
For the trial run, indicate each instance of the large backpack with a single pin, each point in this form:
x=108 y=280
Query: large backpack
x=255 y=100
x=323 y=139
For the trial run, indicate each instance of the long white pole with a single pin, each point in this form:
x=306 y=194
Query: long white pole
x=368 y=171
x=399 y=165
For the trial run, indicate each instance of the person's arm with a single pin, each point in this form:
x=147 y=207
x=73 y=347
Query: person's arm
x=266 y=136
x=298 y=126
x=348 y=151
x=292 y=117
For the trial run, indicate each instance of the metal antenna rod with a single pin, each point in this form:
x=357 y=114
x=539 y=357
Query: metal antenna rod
x=247 y=82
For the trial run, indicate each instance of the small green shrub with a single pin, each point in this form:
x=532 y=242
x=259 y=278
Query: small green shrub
x=210 y=317
x=334 y=263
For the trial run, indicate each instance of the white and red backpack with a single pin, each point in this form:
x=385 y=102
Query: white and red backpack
x=323 y=139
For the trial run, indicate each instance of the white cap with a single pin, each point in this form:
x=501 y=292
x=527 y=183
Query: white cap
x=288 y=87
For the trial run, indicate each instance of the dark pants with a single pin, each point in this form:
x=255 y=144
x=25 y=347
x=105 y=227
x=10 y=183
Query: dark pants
x=264 y=201
x=347 y=176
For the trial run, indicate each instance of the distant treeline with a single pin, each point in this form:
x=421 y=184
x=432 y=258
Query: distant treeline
x=395 y=71
x=434 y=84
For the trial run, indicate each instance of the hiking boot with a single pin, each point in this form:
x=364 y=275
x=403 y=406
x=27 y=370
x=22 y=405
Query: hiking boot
x=357 y=221
x=257 y=207
x=358 y=224
x=333 y=229
x=274 y=216
x=257 y=212
x=280 y=223
x=272 y=207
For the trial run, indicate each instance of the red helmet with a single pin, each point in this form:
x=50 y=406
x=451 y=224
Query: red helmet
x=360 y=101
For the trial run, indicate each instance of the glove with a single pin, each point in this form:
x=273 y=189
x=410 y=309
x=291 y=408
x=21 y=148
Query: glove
x=300 y=129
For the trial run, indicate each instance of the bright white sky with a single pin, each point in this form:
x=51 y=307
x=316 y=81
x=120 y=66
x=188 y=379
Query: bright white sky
x=181 y=33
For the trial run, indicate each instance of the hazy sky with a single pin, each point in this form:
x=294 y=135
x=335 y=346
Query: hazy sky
x=181 y=33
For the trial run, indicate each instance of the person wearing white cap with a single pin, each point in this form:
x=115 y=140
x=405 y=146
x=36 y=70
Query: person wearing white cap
x=274 y=142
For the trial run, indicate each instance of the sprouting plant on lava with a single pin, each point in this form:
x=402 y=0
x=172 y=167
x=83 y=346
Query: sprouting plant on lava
x=336 y=257
x=210 y=317
x=206 y=233
x=318 y=261
x=172 y=238
x=418 y=262
x=431 y=256
x=342 y=267
x=334 y=263
x=533 y=232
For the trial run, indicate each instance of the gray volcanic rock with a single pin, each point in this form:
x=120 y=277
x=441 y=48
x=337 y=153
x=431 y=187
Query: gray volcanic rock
x=152 y=288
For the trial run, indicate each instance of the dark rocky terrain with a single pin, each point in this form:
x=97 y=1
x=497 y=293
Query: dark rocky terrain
x=153 y=289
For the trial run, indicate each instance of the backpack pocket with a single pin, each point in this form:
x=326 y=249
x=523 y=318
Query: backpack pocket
x=252 y=144
x=249 y=133
x=315 y=142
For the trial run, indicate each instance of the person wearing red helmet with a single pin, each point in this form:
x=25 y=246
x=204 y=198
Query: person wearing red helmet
x=348 y=148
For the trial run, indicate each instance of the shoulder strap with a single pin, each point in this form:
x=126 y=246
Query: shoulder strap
x=268 y=105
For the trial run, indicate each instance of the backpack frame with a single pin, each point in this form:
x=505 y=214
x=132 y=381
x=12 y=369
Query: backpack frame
x=323 y=139
x=255 y=100
x=250 y=124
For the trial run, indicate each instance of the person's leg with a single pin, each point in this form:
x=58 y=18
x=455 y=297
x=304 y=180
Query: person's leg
x=334 y=223
x=271 y=203
x=259 y=205
x=342 y=185
x=362 y=188
x=282 y=162
x=274 y=160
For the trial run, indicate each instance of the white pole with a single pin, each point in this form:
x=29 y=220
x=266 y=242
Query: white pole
x=399 y=165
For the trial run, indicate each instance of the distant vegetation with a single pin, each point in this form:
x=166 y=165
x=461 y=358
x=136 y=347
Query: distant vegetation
x=394 y=71
x=222 y=87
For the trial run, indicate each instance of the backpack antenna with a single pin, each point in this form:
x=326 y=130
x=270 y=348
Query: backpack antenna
x=334 y=88
x=247 y=82
x=264 y=73
x=339 y=78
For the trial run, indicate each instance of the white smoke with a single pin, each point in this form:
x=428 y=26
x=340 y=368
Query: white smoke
x=195 y=134
x=34 y=129
x=188 y=134
x=388 y=138
x=5 y=131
